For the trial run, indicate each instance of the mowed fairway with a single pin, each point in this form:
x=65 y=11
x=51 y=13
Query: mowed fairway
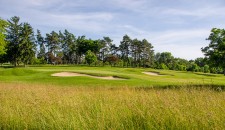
x=30 y=98
x=133 y=77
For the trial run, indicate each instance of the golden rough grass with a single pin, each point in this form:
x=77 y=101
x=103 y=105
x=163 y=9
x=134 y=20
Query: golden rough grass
x=24 y=106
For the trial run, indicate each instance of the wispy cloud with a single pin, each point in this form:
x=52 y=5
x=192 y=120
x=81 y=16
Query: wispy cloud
x=131 y=5
x=182 y=43
x=89 y=22
x=181 y=36
x=178 y=26
x=199 y=12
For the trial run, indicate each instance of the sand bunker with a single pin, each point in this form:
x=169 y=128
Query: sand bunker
x=152 y=73
x=72 y=74
x=67 y=74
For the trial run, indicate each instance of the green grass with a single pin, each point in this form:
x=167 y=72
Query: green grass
x=30 y=98
x=134 y=76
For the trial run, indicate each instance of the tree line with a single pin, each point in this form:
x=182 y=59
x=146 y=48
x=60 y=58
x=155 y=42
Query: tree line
x=19 y=44
x=23 y=46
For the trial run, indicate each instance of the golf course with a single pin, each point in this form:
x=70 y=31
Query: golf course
x=82 y=97
x=112 y=65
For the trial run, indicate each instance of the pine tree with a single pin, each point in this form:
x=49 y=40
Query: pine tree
x=41 y=42
x=27 y=44
x=13 y=38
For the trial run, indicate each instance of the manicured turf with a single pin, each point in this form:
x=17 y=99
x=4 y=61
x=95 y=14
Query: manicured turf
x=134 y=77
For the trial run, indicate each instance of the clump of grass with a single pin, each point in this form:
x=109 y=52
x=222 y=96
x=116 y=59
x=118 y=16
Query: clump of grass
x=48 y=107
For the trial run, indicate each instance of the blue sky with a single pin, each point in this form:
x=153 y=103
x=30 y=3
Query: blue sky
x=177 y=26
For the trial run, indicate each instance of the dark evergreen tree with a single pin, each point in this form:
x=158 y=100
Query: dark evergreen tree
x=69 y=46
x=125 y=50
x=27 y=45
x=40 y=40
x=104 y=45
x=147 y=53
x=53 y=44
x=13 y=38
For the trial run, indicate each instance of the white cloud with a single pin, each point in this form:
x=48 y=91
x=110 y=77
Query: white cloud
x=168 y=27
x=197 y=12
x=182 y=43
x=86 y=22
x=41 y=2
x=182 y=36
x=182 y=51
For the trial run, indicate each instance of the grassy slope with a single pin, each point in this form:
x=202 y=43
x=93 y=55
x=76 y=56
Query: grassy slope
x=135 y=77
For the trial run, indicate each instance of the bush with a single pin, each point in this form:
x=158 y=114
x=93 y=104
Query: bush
x=90 y=57
x=194 y=68
x=206 y=69
x=216 y=70
x=163 y=66
x=37 y=61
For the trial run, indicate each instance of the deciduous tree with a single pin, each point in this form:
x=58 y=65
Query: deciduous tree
x=3 y=25
x=90 y=57
x=215 y=51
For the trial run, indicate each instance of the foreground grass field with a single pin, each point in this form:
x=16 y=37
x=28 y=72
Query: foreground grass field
x=30 y=98
x=48 y=107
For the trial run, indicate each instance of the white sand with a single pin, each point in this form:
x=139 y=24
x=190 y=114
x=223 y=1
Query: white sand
x=152 y=73
x=72 y=74
x=66 y=74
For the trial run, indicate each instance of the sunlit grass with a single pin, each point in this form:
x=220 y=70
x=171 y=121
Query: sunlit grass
x=25 y=106
x=30 y=98
x=135 y=76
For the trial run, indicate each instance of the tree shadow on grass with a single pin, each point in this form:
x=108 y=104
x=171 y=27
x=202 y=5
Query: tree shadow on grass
x=213 y=87
x=207 y=74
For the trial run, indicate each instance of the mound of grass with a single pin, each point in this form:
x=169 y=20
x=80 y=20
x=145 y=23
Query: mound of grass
x=16 y=72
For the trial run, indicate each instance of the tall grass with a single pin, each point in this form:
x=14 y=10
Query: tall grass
x=47 y=107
